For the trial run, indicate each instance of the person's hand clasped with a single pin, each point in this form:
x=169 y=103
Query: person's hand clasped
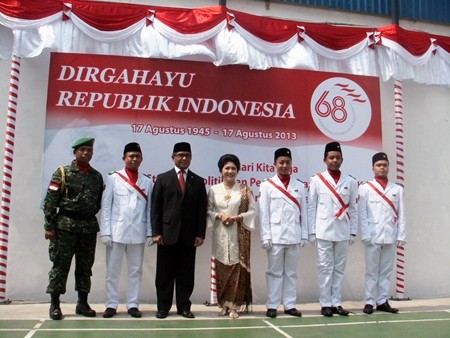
x=226 y=220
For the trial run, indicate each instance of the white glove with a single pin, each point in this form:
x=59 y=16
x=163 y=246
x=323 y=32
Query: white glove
x=401 y=243
x=150 y=241
x=106 y=240
x=303 y=242
x=351 y=240
x=267 y=244
x=367 y=241
x=312 y=239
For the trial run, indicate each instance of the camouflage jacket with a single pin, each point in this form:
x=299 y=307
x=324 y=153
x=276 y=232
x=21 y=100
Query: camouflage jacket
x=71 y=203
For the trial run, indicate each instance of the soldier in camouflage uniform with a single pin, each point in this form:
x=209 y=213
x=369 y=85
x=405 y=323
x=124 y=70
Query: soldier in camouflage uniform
x=72 y=201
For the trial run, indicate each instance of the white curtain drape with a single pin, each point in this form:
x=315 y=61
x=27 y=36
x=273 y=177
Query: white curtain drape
x=233 y=38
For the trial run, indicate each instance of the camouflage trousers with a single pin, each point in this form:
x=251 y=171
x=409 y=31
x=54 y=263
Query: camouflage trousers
x=62 y=250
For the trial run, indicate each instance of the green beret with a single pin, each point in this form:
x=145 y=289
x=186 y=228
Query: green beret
x=85 y=141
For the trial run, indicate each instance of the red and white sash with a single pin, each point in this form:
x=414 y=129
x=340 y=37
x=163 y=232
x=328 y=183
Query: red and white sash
x=385 y=198
x=134 y=185
x=286 y=193
x=343 y=210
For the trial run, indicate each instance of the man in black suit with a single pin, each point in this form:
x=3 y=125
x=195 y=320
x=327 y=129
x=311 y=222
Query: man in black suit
x=179 y=204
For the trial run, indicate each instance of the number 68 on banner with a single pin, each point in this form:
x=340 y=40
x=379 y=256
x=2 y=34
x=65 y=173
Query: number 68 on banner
x=341 y=109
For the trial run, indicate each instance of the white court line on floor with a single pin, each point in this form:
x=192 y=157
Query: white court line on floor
x=367 y=322
x=277 y=328
x=270 y=325
x=35 y=329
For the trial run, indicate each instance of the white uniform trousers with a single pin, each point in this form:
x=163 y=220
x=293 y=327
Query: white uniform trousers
x=332 y=258
x=114 y=258
x=379 y=266
x=281 y=276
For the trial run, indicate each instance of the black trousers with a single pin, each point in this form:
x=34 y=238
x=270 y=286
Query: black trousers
x=175 y=269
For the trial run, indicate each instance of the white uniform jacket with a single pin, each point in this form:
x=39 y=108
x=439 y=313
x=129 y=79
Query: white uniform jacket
x=125 y=214
x=324 y=207
x=281 y=221
x=377 y=219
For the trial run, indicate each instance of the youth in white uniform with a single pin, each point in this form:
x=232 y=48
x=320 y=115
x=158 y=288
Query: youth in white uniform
x=333 y=224
x=284 y=229
x=382 y=228
x=124 y=228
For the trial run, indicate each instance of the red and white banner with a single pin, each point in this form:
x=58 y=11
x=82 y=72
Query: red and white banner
x=229 y=109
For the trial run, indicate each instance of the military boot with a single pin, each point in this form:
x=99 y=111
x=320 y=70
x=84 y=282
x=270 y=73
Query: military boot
x=55 y=312
x=83 y=307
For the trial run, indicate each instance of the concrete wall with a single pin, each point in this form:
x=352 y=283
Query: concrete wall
x=427 y=181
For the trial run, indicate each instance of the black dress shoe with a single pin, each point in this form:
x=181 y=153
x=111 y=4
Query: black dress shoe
x=134 y=312
x=109 y=312
x=162 y=314
x=339 y=310
x=326 y=311
x=85 y=310
x=271 y=313
x=55 y=312
x=368 y=308
x=186 y=314
x=386 y=308
x=293 y=312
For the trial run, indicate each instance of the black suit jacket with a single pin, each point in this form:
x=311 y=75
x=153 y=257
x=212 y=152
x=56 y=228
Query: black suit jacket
x=176 y=216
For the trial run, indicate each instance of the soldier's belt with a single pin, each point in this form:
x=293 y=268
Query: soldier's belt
x=76 y=215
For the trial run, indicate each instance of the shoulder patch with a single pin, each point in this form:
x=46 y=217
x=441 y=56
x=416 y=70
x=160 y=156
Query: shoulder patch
x=54 y=186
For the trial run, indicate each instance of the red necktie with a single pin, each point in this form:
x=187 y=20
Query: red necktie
x=182 y=181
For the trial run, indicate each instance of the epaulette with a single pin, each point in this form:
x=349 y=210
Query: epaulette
x=265 y=179
x=147 y=175
x=112 y=172
x=352 y=177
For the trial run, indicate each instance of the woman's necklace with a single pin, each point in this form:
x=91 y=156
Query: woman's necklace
x=227 y=196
